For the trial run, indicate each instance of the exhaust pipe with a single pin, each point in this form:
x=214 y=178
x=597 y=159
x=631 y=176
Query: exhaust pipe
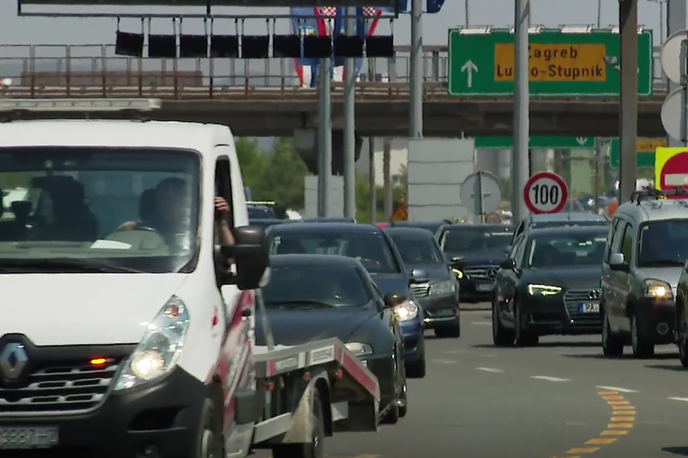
x=662 y=329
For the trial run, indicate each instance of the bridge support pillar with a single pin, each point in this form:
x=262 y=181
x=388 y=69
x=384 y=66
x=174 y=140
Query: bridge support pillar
x=305 y=141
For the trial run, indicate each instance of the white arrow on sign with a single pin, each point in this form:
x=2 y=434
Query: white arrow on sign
x=581 y=140
x=469 y=67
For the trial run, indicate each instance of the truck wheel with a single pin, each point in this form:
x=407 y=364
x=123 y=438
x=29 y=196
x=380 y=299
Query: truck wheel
x=642 y=349
x=449 y=331
x=210 y=440
x=612 y=344
x=313 y=450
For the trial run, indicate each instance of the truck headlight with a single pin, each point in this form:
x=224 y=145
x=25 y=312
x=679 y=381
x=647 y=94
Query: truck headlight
x=406 y=311
x=160 y=347
x=359 y=348
x=443 y=287
x=657 y=289
x=543 y=290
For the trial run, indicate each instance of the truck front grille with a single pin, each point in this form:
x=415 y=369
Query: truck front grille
x=67 y=387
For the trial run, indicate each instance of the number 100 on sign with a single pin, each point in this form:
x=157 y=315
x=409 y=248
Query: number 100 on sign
x=545 y=192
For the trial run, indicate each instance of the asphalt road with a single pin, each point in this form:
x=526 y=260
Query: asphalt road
x=560 y=399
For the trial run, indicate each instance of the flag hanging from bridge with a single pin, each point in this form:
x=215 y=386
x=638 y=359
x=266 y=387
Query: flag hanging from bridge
x=328 y=20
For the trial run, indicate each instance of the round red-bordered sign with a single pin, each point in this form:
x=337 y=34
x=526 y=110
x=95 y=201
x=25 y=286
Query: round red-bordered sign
x=545 y=192
x=674 y=173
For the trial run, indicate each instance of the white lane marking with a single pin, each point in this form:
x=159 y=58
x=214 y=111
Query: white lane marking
x=549 y=379
x=679 y=399
x=481 y=323
x=453 y=352
x=616 y=388
x=444 y=361
x=488 y=369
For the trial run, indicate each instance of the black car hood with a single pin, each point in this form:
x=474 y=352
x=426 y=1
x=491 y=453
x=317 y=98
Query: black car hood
x=294 y=326
x=389 y=283
x=435 y=272
x=482 y=257
x=578 y=277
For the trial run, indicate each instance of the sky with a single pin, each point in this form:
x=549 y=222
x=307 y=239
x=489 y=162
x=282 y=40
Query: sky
x=550 y=13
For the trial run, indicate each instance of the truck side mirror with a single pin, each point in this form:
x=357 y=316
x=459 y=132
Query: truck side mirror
x=251 y=257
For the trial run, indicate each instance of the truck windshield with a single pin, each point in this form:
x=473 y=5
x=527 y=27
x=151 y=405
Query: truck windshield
x=132 y=209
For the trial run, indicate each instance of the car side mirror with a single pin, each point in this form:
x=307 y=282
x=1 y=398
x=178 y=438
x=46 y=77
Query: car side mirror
x=251 y=257
x=393 y=299
x=618 y=262
x=507 y=264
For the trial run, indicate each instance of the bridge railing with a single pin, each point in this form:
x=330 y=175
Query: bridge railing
x=95 y=70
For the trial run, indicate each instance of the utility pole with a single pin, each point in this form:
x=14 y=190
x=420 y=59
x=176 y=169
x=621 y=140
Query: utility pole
x=466 y=9
x=416 y=102
x=519 y=153
x=371 y=179
x=350 y=123
x=628 y=104
x=676 y=21
x=324 y=139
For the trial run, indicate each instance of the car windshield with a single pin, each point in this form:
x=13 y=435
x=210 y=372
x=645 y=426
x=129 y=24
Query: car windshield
x=416 y=248
x=663 y=243
x=336 y=286
x=369 y=248
x=459 y=240
x=567 y=250
x=545 y=224
x=129 y=208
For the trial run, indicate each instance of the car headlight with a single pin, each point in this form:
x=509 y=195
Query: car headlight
x=543 y=290
x=406 y=311
x=657 y=289
x=458 y=273
x=359 y=348
x=443 y=287
x=160 y=347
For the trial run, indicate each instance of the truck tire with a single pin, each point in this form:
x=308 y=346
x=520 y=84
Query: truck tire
x=210 y=440
x=313 y=450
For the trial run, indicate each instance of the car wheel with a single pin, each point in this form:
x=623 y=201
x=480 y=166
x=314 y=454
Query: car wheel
x=501 y=336
x=523 y=337
x=403 y=402
x=393 y=414
x=416 y=369
x=315 y=448
x=682 y=331
x=642 y=349
x=612 y=344
x=449 y=331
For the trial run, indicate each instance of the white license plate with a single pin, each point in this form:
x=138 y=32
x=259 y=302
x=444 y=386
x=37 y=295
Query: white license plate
x=588 y=308
x=483 y=287
x=28 y=437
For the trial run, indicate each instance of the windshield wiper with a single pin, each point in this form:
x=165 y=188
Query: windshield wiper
x=71 y=264
x=298 y=304
x=661 y=263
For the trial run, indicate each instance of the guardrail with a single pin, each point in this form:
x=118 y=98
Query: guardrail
x=95 y=71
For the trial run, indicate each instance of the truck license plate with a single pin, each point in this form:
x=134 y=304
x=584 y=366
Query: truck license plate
x=589 y=307
x=28 y=437
x=484 y=287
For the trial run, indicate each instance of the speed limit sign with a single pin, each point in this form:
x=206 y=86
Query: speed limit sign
x=545 y=192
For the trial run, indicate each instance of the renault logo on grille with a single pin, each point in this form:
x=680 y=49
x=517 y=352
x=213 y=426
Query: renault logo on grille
x=13 y=360
x=594 y=294
x=492 y=273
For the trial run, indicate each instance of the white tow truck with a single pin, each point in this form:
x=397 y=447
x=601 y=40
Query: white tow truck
x=128 y=312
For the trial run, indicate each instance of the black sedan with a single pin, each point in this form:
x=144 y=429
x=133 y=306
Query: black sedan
x=434 y=284
x=475 y=250
x=376 y=251
x=548 y=285
x=343 y=303
x=432 y=226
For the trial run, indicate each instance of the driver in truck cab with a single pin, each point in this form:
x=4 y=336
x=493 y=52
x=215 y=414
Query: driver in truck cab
x=163 y=210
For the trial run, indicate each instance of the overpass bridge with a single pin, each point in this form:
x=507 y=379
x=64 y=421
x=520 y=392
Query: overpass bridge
x=262 y=97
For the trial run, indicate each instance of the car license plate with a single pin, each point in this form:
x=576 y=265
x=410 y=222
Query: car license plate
x=28 y=437
x=588 y=307
x=484 y=287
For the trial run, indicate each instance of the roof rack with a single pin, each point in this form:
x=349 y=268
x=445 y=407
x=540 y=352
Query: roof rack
x=80 y=105
x=267 y=203
x=650 y=193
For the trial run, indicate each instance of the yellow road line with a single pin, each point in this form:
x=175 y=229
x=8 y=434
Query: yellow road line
x=614 y=432
x=601 y=441
x=607 y=393
x=618 y=403
x=624 y=418
x=619 y=425
x=584 y=450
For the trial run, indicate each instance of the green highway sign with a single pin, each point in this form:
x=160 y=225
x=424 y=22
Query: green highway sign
x=560 y=63
x=536 y=142
x=645 y=150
